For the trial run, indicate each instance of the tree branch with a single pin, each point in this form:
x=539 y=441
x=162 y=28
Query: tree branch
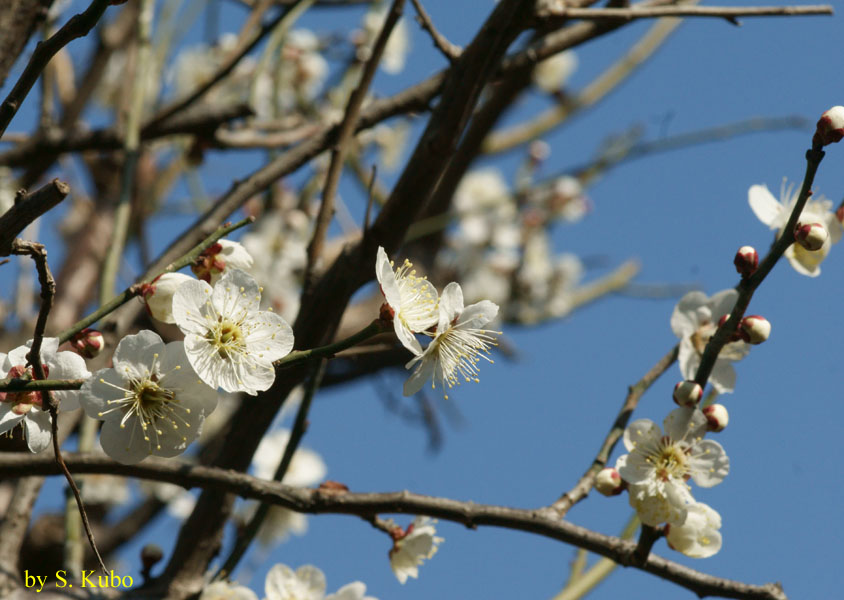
x=366 y=505
x=78 y=26
x=27 y=209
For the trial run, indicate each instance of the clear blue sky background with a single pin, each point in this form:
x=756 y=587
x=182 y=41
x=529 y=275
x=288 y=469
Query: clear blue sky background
x=532 y=426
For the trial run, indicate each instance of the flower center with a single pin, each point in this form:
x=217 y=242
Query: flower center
x=669 y=460
x=152 y=406
x=459 y=350
x=227 y=338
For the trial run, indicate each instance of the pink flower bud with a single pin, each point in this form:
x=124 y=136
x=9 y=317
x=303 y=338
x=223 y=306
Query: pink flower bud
x=717 y=417
x=609 y=482
x=687 y=393
x=830 y=127
x=88 y=343
x=755 y=329
x=811 y=236
x=746 y=261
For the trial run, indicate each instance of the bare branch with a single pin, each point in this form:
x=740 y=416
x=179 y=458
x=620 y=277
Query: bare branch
x=722 y=12
x=367 y=505
x=27 y=209
x=78 y=26
x=450 y=51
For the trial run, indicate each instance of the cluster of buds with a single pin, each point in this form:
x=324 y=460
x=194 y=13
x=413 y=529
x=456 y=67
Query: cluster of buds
x=687 y=393
x=830 y=128
x=812 y=236
x=746 y=261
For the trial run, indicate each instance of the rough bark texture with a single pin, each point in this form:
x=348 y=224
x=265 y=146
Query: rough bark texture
x=18 y=19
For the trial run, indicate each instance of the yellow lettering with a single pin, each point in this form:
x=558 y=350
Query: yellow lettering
x=85 y=581
x=62 y=581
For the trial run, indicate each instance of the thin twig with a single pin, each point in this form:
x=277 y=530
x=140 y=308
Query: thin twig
x=748 y=285
x=451 y=51
x=370 y=198
x=300 y=424
x=78 y=26
x=722 y=12
x=48 y=290
x=471 y=514
x=585 y=483
x=227 y=67
x=341 y=146
x=135 y=290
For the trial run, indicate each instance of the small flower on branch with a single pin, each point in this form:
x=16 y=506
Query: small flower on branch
x=229 y=342
x=151 y=402
x=17 y=407
x=411 y=547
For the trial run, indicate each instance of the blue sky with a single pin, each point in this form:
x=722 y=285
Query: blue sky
x=531 y=427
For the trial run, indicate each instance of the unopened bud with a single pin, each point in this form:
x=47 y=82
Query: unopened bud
x=830 y=127
x=158 y=295
x=609 y=482
x=717 y=417
x=811 y=236
x=218 y=257
x=687 y=393
x=88 y=342
x=746 y=261
x=755 y=329
x=151 y=554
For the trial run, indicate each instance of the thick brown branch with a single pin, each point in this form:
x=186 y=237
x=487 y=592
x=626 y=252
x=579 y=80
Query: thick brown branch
x=78 y=26
x=27 y=209
x=369 y=504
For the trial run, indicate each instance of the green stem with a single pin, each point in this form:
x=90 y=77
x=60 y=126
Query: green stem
x=299 y=356
x=135 y=290
x=40 y=385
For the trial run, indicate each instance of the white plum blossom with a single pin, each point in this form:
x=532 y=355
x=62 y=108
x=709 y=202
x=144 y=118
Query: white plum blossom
x=695 y=320
x=459 y=343
x=152 y=402
x=654 y=509
x=413 y=299
x=225 y=590
x=25 y=408
x=351 y=591
x=775 y=214
x=658 y=464
x=229 y=342
x=487 y=212
x=412 y=547
x=306 y=583
x=306 y=469
x=698 y=535
x=158 y=295
x=398 y=44
x=552 y=73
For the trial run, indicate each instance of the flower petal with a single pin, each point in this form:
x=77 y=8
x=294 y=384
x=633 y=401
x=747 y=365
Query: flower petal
x=766 y=208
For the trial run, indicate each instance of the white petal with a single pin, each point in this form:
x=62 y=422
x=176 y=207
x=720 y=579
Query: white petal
x=766 y=208
x=126 y=445
x=38 y=428
x=406 y=337
x=8 y=419
x=270 y=336
x=190 y=303
x=641 y=431
x=684 y=320
x=235 y=293
x=451 y=305
x=708 y=463
x=478 y=314
x=722 y=303
x=723 y=377
x=688 y=359
x=387 y=279
x=134 y=354
x=424 y=371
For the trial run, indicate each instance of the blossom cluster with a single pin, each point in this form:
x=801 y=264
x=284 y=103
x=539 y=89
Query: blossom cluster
x=283 y=583
x=459 y=339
